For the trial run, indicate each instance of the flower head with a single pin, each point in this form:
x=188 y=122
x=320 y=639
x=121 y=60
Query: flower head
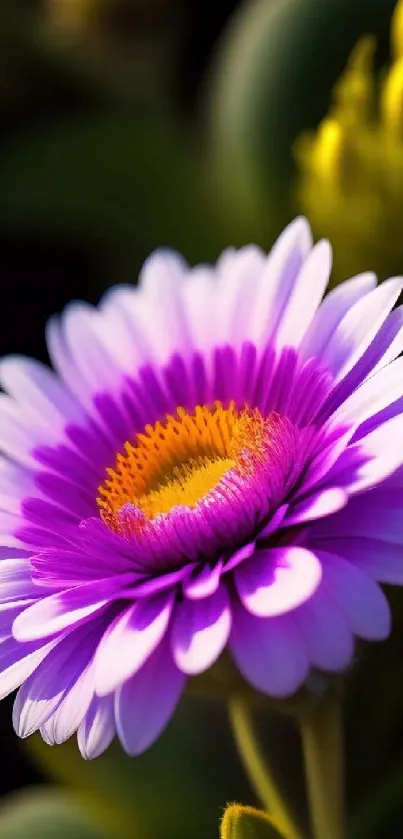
x=216 y=462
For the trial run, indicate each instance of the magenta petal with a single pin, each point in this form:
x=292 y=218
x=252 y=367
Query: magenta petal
x=277 y=580
x=325 y=631
x=97 y=729
x=42 y=693
x=18 y=661
x=274 y=522
x=15 y=580
x=62 y=610
x=200 y=631
x=130 y=640
x=71 y=711
x=239 y=556
x=8 y=613
x=376 y=514
x=317 y=505
x=383 y=455
x=145 y=704
x=269 y=652
x=203 y=582
x=381 y=560
x=358 y=596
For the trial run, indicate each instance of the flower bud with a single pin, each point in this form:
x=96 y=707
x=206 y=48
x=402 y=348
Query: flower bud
x=241 y=822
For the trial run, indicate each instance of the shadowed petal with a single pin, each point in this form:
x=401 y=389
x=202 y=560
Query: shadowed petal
x=130 y=640
x=358 y=596
x=97 y=729
x=381 y=560
x=269 y=652
x=67 y=717
x=51 y=682
x=200 y=631
x=145 y=704
x=325 y=631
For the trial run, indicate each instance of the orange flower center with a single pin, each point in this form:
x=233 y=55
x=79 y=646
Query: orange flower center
x=180 y=460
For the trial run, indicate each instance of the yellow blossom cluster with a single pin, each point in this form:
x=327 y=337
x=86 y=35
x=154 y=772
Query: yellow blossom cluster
x=350 y=170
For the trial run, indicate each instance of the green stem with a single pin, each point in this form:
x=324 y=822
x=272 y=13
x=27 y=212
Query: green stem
x=259 y=773
x=322 y=740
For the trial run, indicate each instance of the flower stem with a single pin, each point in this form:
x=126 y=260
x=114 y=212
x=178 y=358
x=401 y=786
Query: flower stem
x=322 y=740
x=259 y=772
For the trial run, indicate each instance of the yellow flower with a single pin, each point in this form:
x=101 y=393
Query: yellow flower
x=350 y=170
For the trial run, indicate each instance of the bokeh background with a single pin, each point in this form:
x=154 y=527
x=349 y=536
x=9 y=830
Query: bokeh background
x=195 y=124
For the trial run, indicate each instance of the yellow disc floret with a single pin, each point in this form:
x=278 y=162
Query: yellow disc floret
x=179 y=460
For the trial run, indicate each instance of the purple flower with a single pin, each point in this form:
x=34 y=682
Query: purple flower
x=217 y=462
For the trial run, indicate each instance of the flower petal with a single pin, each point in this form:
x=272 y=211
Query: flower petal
x=66 y=719
x=64 y=609
x=42 y=693
x=378 y=456
x=200 y=631
x=381 y=560
x=325 y=631
x=18 y=661
x=145 y=704
x=359 y=326
x=203 y=582
x=306 y=296
x=44 y=398
x=269 y=652
x=15 y=580
x=278 y=279
x=97 y=729
x=277 y=580
x=375 y=514
x=317 y=505
x=332 y=311
x=160 y=304
x=358 y=596
x=130 y=640
x=375 y=394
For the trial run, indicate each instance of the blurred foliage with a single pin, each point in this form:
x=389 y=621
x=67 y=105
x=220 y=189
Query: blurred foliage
x=118 y=181
x=156 y=794
x=44 y=813
x=240 y=822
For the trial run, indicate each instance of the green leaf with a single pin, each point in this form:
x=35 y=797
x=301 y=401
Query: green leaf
x=240 y=822
x=44 y=813
x=271 y=78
